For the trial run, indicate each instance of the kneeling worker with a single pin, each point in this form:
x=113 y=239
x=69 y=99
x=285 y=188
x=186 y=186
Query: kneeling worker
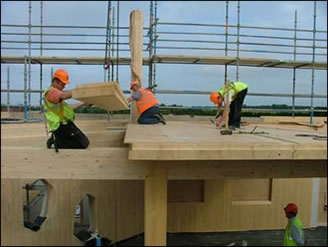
x=237 y=93
x=147 y=105
x=60 y=115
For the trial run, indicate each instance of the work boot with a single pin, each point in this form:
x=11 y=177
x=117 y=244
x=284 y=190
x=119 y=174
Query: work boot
x=161 y=118
x=232 y=128
x=160 y=114
x=50 y=142
x=162 y=121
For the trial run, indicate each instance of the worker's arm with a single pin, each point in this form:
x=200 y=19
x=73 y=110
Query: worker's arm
x=218 y=111
x=77 y=105
x=297 y=236
x=66 y=95
x=134 y=96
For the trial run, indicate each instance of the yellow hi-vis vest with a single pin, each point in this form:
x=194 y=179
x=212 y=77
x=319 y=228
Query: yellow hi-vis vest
x=234 y=89
x=57 y=113
x=296 y=222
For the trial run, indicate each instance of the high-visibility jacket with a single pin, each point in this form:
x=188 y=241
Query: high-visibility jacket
x=234 y=89
x=146 y=100
x=297 y=223
x=57 y=113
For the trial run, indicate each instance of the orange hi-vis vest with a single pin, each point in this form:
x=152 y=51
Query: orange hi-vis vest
x=146 y=100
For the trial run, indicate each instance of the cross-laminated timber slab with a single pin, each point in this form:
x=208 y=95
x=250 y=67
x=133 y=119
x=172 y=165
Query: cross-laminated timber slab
x=189 y=141
x=106 y=95
x=24 y=155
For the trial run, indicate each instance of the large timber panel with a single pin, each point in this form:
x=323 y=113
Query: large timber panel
x=106 y=95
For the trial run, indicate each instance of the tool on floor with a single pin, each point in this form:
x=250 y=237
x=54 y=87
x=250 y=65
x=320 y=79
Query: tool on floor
x=252 y=132
x=315 y=137
x=226 y=132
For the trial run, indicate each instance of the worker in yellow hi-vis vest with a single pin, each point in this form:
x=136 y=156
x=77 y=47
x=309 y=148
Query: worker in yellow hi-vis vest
x=294 y=234
x=237 y=93
x=60 y=115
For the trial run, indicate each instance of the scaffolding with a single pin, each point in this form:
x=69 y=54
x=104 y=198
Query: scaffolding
x=229 y=42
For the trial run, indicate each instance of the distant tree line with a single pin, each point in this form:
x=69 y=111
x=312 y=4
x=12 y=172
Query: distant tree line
x=272 y=110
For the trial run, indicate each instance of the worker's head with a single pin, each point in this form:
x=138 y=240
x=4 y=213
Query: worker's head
x=216 y=98
x=291 y=210
x=134 y=86
x=60 y=79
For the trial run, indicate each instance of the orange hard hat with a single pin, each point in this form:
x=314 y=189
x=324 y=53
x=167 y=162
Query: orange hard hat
x=216 y=98
x=133 y=83
x=291 y=208
x=61 y=75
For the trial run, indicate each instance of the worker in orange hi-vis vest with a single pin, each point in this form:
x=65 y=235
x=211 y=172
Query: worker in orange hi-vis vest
x=147 y=105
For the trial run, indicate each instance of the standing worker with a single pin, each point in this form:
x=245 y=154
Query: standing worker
x=237 y=93
x=147 y=105
x=60 y=115
x=294 y=235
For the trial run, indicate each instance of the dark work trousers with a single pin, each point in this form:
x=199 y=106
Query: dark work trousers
x=149 y=116
x=70 y=136
x=235 y=109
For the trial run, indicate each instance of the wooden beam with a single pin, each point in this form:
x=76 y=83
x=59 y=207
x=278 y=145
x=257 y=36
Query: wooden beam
x=113 y=164
x=136 y=43
x=226 y=104
x=156 y=206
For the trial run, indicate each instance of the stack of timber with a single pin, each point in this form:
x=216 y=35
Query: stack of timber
x=106 y=95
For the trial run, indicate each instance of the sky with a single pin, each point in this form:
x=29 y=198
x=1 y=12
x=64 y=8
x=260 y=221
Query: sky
x=277 y=14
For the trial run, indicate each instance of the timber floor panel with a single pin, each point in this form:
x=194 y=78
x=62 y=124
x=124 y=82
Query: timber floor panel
x=202 y=141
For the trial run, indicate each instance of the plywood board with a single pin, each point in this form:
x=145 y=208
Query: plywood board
x=106 y=95
x=277 y=119
x=315 y=125
x=202 y=141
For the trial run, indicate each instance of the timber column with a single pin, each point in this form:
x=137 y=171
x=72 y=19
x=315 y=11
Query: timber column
x=156 y=205
x=136 y=47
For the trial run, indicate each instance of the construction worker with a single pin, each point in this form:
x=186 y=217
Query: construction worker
x=294 y=235
x=60 y=115
x=237 y=93
x=147 y=105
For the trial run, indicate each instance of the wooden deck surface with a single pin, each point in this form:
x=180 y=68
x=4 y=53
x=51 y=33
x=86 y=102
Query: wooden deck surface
x=202 y=141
